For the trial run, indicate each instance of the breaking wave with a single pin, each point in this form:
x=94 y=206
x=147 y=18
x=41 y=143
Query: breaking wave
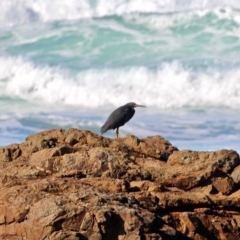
x=169 y=86
x=25 y=11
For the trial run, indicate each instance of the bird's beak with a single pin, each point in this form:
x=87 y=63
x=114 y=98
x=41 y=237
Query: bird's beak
x=137 y=105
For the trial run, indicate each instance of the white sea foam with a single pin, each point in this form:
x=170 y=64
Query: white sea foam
x=26 y=11
x=195 y=16
x=170 y=86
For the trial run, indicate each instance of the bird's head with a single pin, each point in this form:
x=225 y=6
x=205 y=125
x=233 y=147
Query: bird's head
x=133 y=105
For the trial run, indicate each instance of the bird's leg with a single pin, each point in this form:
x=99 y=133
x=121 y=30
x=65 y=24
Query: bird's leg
x=117 y=132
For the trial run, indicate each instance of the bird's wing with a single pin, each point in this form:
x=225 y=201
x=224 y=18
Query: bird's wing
x=129 y=115
x=118 y=118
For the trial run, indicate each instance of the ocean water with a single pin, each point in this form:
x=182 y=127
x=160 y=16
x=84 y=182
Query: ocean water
x=70 y=63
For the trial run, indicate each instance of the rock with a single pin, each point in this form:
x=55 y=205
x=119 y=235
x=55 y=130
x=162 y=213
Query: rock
x=5 y=155
x=73 y=184
x=10 y=153
x=45 y=158
x=224 y=185
x=187 y=169
x=176 y=199
x=108 y=185
x=190 y=223
x=146 y=186
x=156 y=147
x=210 y=190
x=236 y=175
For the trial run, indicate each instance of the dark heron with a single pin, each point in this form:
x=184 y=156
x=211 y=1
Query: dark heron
x=119 y=117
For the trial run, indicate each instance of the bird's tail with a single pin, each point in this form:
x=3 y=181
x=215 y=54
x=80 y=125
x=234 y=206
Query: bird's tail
x=104 y=128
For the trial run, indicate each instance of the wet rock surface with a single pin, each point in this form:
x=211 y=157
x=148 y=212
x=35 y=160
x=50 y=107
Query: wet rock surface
x=73 y=184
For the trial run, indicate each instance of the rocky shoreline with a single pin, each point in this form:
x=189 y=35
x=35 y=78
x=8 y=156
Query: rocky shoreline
x=73 y=184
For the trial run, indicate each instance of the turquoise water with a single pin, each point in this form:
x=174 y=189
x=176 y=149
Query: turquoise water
x=69 y=64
